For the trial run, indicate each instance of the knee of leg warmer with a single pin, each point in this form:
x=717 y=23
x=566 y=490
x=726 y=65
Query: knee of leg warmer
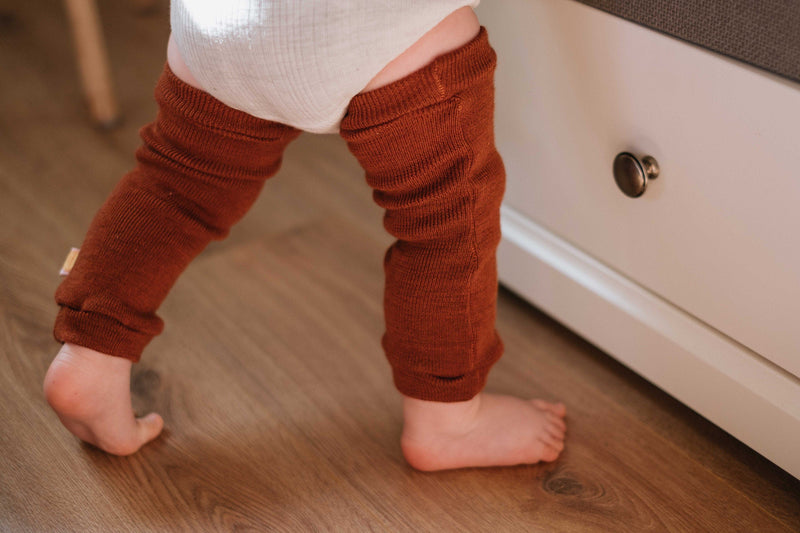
x=426 y=143
x=200 y=168
x=210 y=159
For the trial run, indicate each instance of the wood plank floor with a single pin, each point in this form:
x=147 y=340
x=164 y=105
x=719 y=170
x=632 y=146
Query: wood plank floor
x=279 y=406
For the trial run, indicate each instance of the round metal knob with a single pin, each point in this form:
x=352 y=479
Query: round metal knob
x=631 y=175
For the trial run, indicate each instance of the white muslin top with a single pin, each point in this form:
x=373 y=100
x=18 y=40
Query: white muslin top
x=298 y=62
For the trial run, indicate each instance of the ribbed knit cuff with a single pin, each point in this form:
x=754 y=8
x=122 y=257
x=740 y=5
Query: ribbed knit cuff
x=199 y=106
x=440 y=79
x=102 y=333
x=432 y=388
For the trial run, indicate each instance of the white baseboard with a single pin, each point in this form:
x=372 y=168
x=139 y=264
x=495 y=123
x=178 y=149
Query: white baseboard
x=730 y=385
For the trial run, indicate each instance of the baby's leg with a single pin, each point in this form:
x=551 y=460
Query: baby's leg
x=200 y=168
x=423 y=131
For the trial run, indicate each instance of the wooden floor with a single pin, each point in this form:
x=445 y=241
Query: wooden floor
x=279 y=406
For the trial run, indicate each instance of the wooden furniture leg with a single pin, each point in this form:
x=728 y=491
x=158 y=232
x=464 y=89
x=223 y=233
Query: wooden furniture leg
x=93 y=61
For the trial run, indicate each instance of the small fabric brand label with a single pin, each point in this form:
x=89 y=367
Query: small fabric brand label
x=69 y=262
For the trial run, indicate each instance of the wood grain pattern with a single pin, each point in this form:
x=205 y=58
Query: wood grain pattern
x=279 y=405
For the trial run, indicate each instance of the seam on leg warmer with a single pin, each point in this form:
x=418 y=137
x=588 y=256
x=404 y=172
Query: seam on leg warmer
x=474 y=233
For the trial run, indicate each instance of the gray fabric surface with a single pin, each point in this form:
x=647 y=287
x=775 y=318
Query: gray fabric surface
x=763 y=33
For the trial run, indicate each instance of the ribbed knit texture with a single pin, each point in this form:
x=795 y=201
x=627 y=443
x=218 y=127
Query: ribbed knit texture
x=200 y=168
x=298 y=62
x=426 y=143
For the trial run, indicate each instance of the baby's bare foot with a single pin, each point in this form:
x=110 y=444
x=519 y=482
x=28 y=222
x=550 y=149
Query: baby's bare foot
x=90 y=393
x=488 y=430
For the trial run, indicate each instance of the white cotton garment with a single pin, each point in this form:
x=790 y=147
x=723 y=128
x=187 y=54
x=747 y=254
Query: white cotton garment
x=298 y=62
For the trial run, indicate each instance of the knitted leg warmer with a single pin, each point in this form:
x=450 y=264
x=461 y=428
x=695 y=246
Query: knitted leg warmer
x=200 y=168
x=426 y=143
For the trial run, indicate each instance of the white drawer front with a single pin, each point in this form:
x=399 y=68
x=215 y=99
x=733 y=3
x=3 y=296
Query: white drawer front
x=718 y=233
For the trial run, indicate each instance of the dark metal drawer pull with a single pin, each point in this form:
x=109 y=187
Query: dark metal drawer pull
x=631 y=175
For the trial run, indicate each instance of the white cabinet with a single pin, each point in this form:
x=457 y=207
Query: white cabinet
x=695 y=284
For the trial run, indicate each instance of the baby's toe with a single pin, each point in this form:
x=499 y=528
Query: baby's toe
x=557 y=421
x=558 y=409
x=555 y=432
x=551 y=452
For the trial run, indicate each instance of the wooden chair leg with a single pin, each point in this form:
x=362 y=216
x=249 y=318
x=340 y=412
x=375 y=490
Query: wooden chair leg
x=93 y=60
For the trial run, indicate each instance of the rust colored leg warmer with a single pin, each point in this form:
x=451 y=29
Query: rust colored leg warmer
x=426 y=143
x=200 y=168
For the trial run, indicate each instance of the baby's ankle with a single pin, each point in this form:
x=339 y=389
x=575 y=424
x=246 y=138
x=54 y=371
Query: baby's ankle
x=422 y=416
x=76 y=373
